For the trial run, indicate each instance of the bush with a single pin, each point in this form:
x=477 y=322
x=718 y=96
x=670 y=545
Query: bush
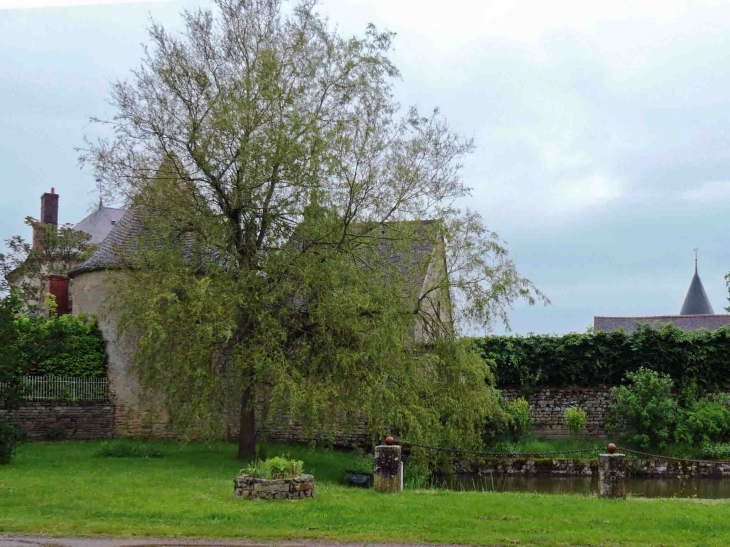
x=594 y=358
x=70 y=345
x=645 y=411
x=126 y=448
x=575 y=419
x=518 y=418
x=275 y=468
x=705 y=421
x=719 y=451
x=10 y=438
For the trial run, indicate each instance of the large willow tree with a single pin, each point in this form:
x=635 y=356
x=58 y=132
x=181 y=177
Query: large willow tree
x=283 y=194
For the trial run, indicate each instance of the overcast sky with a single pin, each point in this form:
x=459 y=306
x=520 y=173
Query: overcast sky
x=602 y=128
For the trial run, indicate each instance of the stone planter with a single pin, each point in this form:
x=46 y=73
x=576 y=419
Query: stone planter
x=246 y=486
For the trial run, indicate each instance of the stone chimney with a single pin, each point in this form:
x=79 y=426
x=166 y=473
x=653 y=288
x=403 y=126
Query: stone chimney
x=49 y=215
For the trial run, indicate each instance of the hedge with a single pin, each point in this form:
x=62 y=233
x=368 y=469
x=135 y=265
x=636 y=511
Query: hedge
x=69 y=345
x=605 y=357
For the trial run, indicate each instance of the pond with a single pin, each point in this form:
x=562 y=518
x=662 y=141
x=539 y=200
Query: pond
x=703 y=488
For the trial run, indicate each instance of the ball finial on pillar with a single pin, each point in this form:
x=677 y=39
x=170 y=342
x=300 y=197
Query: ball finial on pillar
x=389 y=441
x=611 y=448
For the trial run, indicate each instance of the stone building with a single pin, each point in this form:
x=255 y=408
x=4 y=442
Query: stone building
x=97 y=224
x=696 y=313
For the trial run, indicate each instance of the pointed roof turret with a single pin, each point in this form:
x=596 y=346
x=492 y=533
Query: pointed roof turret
x=696 y=301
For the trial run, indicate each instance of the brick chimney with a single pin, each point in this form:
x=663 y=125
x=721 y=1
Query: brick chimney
x=58 y=287
x=49 y=215
x=49 y=208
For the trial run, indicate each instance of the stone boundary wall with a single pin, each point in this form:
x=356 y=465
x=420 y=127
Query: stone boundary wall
x=246 y=486
x=548 y=405
x=655 y=468
x=82 y=421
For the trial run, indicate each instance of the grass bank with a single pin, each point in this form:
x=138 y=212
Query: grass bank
x=63 y=489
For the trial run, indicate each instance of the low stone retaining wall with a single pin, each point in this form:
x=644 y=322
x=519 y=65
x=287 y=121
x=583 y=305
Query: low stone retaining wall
x=246 y=486
x=77 y=421
x=588 y=467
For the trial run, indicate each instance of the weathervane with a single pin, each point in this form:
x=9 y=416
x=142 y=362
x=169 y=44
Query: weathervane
x=697 y=250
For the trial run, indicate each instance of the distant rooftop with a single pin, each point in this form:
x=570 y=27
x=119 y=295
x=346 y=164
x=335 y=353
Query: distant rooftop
x=684 y=322
x=99 y=223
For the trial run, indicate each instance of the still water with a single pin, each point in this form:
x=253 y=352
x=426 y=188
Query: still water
x=550 y=484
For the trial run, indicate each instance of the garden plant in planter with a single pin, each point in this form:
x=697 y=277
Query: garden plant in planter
x=274 y=479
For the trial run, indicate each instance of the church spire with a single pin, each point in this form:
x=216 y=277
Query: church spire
x=696 y=301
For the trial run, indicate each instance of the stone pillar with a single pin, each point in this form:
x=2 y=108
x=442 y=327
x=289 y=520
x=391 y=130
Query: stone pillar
x=612 y=476
x=388 y=470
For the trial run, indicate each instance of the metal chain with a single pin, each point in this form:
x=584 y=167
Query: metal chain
x=507 y=454
x=668 y=458
x=562 y=453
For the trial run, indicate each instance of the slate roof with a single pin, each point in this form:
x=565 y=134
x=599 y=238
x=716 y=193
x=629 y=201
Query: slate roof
x=99 y=223
x=120 y=238
x=696 y=301
x=684 y=322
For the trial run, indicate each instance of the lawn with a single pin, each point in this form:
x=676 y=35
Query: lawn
x=63 y=489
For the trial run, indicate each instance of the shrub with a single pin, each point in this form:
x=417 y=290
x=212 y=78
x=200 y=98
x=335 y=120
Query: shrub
x=718 y=451
x=645 y=411
x=10 y=438
x=704 y=421
x=126 y=448
x=70 y=345
x=575 y=419
x=275 y=468
x=518 y=416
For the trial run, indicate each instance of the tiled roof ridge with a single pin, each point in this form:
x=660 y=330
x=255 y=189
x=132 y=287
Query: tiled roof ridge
x=661 y=316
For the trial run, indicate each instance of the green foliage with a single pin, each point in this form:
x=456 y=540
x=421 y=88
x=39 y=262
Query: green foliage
x=648 y=414
x=575 y=419
x=719 y=451
x=126 y=448
x=644 y=412
x=10 y=437
x=11 y=363
x=277 y=467
x=360 y=462
x=25 y=267
x=518 y=417
x=416 y=474
x=704 y=421
x=285 y=197
x=605 y=357
x=70 y=345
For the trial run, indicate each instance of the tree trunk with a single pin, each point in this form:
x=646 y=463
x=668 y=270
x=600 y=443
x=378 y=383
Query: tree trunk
x=247 y=433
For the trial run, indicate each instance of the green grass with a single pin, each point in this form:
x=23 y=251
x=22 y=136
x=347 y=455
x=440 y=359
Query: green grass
x=63 y=489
